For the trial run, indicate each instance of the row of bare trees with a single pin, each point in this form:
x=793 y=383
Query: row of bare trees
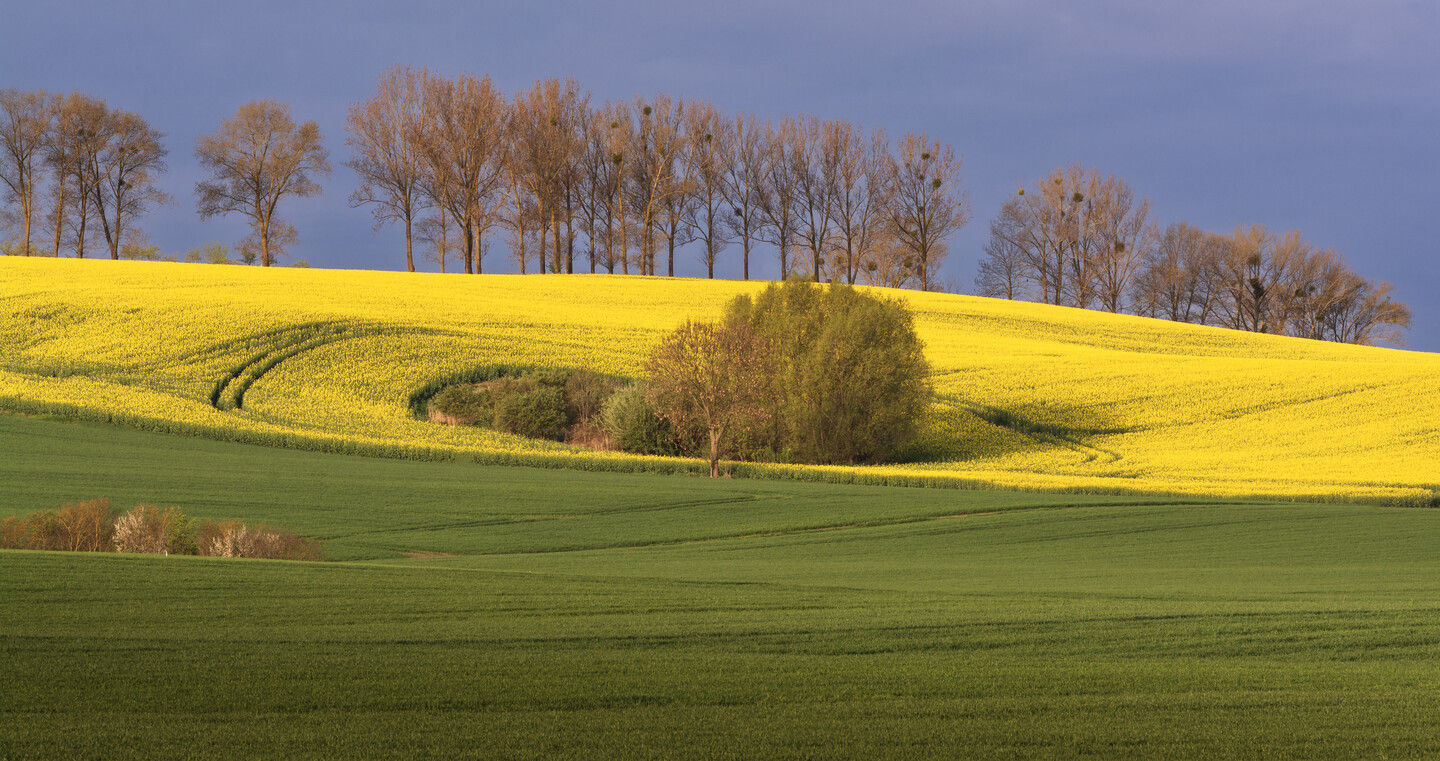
x=1076 y=238
x=628 y=184
x=75 y=171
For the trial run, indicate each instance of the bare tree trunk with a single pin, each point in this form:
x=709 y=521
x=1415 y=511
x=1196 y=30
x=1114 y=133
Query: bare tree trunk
x=570 y=244
x=557 y=259
x=624 y=231
x=409 y=252
x=479 y=251
x=115 y=245
x=444 y=243
x=469 y=248
x=59 y=212
x=714 y=453
x=544 y=233
x=84 y=213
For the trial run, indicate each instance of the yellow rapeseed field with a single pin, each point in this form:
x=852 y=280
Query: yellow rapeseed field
x=1029 y=396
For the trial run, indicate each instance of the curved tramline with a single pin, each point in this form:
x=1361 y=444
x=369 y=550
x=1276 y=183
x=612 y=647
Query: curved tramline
x=1028 y=396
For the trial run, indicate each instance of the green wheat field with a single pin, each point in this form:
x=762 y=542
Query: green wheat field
x=517 y=613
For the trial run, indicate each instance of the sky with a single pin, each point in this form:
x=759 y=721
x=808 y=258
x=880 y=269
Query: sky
x=1310 y=115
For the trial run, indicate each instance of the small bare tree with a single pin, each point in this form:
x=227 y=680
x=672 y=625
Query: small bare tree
x=433 y=231
x=1122 y=234
x=256 y=159
x=705 y=375
x=1002 y=271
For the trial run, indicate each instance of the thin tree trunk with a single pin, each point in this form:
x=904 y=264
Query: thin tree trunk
x=714 y=453
x=544 y=233
x=479 y=251
x=409 y=251
x=569 y=242
x=60 y=202
x=469 y=248
x=624 y=234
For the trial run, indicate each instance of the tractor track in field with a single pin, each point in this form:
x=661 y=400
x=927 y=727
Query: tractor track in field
x=228 y=393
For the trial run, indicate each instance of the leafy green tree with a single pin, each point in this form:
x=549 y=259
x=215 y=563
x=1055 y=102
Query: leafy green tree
x=849 y=374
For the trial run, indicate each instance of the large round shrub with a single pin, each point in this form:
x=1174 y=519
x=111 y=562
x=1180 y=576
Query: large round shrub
x=849 y=375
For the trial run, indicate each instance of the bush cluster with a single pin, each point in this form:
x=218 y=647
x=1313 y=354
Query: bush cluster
x=560 y=405
x=96 y=526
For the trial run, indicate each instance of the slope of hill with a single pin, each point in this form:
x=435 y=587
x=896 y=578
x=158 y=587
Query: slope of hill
x=1029 y=396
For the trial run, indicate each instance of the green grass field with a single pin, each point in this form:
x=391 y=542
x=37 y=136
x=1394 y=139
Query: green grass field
x=519 y=613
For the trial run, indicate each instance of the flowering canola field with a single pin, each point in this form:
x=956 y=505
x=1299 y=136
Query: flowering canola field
x=1029 y=396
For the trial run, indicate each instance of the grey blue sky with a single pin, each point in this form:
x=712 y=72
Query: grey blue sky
x=1319 y=116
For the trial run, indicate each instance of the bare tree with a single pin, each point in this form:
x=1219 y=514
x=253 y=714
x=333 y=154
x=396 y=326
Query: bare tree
x=656 y=138
x=434 y=232
x=595 y=188
x=859 y=193
x=1246 y=279
x=704 y=375
x=814 y=157
x=620 y=137
x=256 y=159
x=462 y=139
x=24 y=121
x=77 y=135
x=889 y=263
x=125 y=169
x=927 y=204
x=782 y=188
x=1176 y=280
x=1052 y=228
x=384 y=133
x=1121 y=237
x=744 y=184
x=1367 y=315
x=711 y=158
x=546 y=147
x=1002 y=271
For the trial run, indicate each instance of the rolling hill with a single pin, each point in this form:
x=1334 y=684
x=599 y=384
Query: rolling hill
x=1029 y=396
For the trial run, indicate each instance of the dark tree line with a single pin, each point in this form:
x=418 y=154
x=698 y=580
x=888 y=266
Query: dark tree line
x=1078 y=239
x=625 y=186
